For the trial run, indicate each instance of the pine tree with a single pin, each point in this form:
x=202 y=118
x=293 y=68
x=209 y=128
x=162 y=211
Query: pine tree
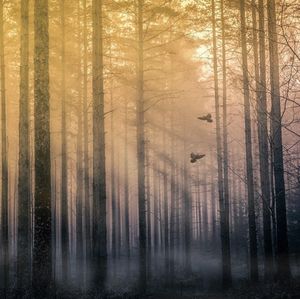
x=42 y=271
x=248 y=144
x=24 y=205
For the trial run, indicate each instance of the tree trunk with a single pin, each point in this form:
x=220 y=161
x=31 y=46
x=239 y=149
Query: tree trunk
x=126 y=185
x=249 y=160
x=4 y=189
x=226 y=267
x=166 y=208
x=278 y=166
x=99 y=175
x=200 y=208
x=262 y=128
x=141 y=148
x=79 y=160
x=113 y=184
x=149 y=226
x=85 y=138
x=213 y=201
x=187 y=208
x=64 y=164
x=225 y=146
x=173 y=202
x=155 y=173
x=24 y=204
x=205 y=206
x=42 y=272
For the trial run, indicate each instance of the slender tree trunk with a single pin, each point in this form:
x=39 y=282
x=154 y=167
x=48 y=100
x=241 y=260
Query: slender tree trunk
x=85 y=138
x=177 y=210
x=42 y=271
x=4 y=189
x=187 y=208
x=126 y=185
x=200 y=208
x=155 y=173
x=173 y=203
x=249 y=159
x=99 y=176
x=64 y=164
x=262 y=127
x=235 y=201
x=166 y=208
x=205 y=205
x=160 y=234
x=141 y=149
x=24 y=208
x=225 y=146
x=113 y=184
x=79 y=191
x=119 y=217
x=148 y=196
x=226 y=267
x=276 y=128
x=213 y=201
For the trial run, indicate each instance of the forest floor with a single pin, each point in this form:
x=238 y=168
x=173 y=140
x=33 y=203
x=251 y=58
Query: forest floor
x=243 y=291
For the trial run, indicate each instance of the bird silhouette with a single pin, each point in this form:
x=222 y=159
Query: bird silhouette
x=196 y=157
x=207 y=118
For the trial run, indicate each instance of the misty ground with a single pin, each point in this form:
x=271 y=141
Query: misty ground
x=203 y=282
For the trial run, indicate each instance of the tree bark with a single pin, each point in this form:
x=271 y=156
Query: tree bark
x=24 y=204
x=126 y=185
x=42 y=271
x=114 y=208
x=225 y=147
x=85 y=138
x=99 y=250
x=4 y=171
x=248 y=143
x=226 y=267
x=276 y=132
x=141 y=148
x=64 y=164
x=262 y=128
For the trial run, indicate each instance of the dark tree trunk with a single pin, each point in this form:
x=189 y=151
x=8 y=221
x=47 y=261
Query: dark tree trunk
x=149 y=222
x=155 y=173
x=225 y=146
x=85 y=138
x=262 y=127
x=213 y=201
x=166 y=208
x=199 y=209
x=172 y=200
x=24 y=204
x=205 y=206
x=187 y=208
x=99 y=250
x=42 y=271
x=114 y=208
x=249 y=159
x=226 y=267
x=276 y=128
x=141 y=148
x=4 y=171
x=79 y=160
x=64 y=164
x=126 y=185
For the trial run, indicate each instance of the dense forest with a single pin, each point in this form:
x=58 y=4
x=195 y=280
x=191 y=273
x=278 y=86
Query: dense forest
x=150 y=148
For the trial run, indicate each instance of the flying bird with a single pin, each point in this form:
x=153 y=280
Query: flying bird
x=196 y=157
x=207 y=118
